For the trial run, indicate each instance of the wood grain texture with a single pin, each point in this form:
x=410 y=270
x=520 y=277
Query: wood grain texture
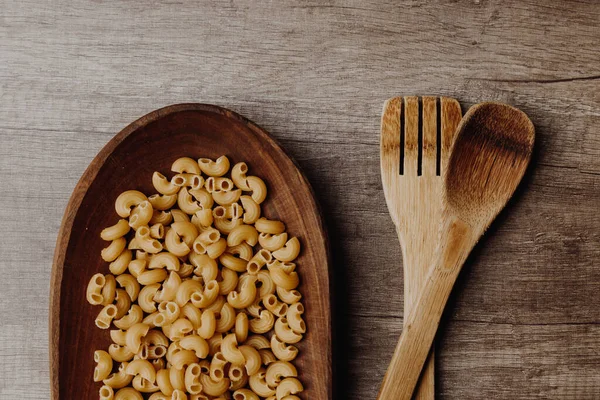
x=523 y=321
x=151 y=144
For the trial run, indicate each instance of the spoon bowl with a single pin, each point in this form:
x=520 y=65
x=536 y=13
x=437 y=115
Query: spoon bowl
x=151 y=144
x=489 y=158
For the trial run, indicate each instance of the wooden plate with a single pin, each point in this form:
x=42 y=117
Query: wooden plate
x=151 y=144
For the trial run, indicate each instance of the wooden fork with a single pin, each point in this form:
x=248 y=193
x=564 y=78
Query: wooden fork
x=416 y=137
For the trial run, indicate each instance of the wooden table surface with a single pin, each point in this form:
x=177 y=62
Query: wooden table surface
x=524 y=321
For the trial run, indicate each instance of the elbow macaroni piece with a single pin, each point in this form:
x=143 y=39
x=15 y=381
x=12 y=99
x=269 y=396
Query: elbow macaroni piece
x=163 y=381
x=157 y=231
x=215 y=250
x=226 y=225
x=164 y=260
x=163 y=185
x=204 y=199
x=106 y=316
x=196 y=344
x=225 y=198
x=288 y=386
x=226 y=319
x=134 y=336
x=118 y=336
x=133 y=316
x=241 y=327
x=294 y=318
x=285 y=333
x=274 y=305
x=128 y=394
x=242 y=233
x=186 y=202
x=213 y=388
x=106 y=393
x=141 y=214
x=264 y=225
x=282 y=351
x=114 y=249
x=252 y=359
x=204 y=267
x=192 y=379
x=183 y=358
x=258 y=188
x=284 y=280
x=130 y=284
x=142 y=368
x=214 y=168
x=120 y=353
x=201 y=270
x=203 y=218
x=258 y=342
x=104 y=364
x=146 y=298
x=161 y=217
x=251 y=209
x=137 y=266
x=259 y=385
x=123 y=303
x=146 y=242
x=258 y=261
x=217 y=367
x=162 y=202
x=175 y=245
x=279 y=370
x=120 y=229
x=186 y=165
x=263 y=323
x=238 y=175
x=94 y=289
x=243 y=250
x=143 y=386
x=109 y=290
x=127 y=200
x=289 y=252
x=169 y=288
x=119 y=379
x=288 y=296
x=207 y=297
x=120 y=265
x=272 y=242
x=179 y=216
x=229 y=348
x=266 y=356
x=208 y=324
x=232 y=262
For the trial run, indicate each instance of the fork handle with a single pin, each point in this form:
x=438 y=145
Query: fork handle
x=422 y=324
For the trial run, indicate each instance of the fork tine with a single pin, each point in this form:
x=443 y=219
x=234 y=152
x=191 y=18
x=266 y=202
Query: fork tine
x=411 y=135
x=429 y=116
x=390 y=137
x=450 y=118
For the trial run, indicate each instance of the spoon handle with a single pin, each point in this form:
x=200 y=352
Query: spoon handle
x=421 y=326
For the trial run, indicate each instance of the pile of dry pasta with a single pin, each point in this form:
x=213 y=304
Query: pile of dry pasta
x=201 y=291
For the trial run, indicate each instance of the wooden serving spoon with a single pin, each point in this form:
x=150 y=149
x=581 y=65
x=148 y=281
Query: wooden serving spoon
x=488 y=159
x=151 y=144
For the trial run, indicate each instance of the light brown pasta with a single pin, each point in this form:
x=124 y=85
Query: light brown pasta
x=199 y=279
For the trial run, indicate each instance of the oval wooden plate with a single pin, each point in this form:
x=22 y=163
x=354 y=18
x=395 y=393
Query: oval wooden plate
x=151 y=144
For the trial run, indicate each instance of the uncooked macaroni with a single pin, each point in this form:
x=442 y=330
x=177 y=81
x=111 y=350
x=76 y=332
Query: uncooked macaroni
x=202 y=297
